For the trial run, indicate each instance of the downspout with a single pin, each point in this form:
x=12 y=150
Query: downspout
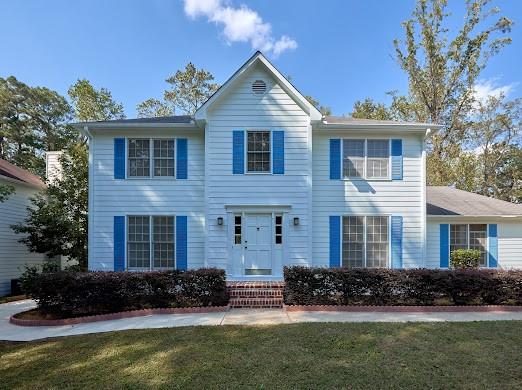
x=90 y=201
x=423 y=199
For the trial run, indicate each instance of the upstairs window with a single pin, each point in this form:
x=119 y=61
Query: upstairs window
x=258 y=152
x=366 y=159
x=151 y=157
x=163 y=157
x=139 y=157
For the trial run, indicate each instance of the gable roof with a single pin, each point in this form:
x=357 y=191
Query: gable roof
x=258 y=57
x=446 y=201
x=13 y=172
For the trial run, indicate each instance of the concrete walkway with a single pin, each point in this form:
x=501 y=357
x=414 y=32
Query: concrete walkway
x=234 y=317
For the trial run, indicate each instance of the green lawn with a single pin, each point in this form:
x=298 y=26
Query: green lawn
x=435 y=355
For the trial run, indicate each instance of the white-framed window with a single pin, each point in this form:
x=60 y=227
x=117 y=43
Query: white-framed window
x=366 y=159
x=238 y=227
x=258 y=151
x=150 y=242
x=148 y=157
x=278 y=229
x=470 y=236
x=365 y=241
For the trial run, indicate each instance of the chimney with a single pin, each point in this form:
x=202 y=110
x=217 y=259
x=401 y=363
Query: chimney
x=53 y=169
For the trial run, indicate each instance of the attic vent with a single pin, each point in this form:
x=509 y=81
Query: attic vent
x=259 y=87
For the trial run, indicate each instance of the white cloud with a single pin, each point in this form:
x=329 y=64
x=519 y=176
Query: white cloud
x=240 y=24
x=486 y=88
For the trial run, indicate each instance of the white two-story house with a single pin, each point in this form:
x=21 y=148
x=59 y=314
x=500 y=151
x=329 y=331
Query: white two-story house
x=258 y=179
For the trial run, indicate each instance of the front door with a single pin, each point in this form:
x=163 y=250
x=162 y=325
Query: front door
x=258 y=244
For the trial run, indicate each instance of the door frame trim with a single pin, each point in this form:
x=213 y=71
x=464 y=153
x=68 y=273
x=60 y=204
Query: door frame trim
x=277 y=266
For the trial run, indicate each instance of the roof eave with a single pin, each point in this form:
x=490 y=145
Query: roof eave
x=472 y=216
x=94 y=125
x=383 y=127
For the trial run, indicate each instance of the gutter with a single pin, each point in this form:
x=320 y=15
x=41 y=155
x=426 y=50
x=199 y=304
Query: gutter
x=94 y=125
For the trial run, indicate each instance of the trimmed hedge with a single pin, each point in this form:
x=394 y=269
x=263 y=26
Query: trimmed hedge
x=378 y=286
x=69 y=294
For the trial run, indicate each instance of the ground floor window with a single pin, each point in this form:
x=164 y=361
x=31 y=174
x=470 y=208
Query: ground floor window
x=365 y=241
x=472 y=236
x=150 y=242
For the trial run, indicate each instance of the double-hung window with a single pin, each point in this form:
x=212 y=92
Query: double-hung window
x=258 y=151
x=151 y=157
x=366 y=159
x=473 y=236
x=150 y=242
x=365 y=241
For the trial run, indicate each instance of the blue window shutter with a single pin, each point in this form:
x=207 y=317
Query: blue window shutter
x=335 y=159
x=396 y=159
x=119 y=243
x=182 y=158
x=335 y=241
x=181 y=242
x=492 y=246
x=119 y=158
x=238 y=152
x=278 y=147
x=444 y=245
x=396 y=241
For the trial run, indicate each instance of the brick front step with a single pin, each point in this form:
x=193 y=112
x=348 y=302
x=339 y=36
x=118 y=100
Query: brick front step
x=256 y=294
x=256 y=303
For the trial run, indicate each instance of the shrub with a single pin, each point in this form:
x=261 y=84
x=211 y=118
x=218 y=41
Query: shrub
x=378 y=286
x=465 y=258
x=68 y=294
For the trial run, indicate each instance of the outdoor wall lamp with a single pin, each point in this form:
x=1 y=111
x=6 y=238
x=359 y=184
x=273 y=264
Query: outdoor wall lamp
x=296 y=221
x=220 y=221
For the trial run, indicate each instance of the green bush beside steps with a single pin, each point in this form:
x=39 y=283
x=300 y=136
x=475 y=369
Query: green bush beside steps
x=379 y=286
x=68 y=293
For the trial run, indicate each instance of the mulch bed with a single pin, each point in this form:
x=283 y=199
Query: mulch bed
x=405 y=309
x=34 y=318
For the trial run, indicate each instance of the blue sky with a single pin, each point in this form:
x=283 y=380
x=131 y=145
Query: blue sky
x=337 y=51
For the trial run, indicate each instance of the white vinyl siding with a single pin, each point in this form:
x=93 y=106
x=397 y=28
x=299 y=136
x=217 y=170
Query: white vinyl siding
x=144 y=196
x=14 y=256
x=362 y=197
x=509 y=239
x=242 y=110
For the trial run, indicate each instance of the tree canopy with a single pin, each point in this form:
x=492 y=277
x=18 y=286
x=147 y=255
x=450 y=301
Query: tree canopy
x=188 y=90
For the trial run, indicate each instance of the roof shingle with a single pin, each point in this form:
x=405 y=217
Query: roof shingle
x=451 y=201
x=13 y=172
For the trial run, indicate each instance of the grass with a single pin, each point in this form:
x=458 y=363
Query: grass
x=365 y=355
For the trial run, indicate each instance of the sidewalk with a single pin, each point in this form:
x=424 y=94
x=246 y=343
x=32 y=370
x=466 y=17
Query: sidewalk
x=234 y=317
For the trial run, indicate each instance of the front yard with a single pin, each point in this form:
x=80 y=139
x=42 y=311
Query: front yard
x=427 y=355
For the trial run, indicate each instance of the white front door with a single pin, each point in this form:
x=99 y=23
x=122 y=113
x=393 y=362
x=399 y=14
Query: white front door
x=258 y=244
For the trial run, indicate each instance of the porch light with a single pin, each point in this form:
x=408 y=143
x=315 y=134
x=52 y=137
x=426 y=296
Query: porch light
x=296 y=221
x=220 y=221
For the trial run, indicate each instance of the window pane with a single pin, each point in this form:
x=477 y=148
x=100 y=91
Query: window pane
x=164 y=157
x=139 y=157
x=258 y=151
x=237 y=230
x=138 y=240
x=278 y=229
x=478 y=240
x=163 y=241
x=376 y=241
x=378 y=153
x=458 y=237
x=353 y=242
x=353 y=158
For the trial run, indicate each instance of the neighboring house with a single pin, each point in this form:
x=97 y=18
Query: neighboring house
x=14 y=255
x=259 y=179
